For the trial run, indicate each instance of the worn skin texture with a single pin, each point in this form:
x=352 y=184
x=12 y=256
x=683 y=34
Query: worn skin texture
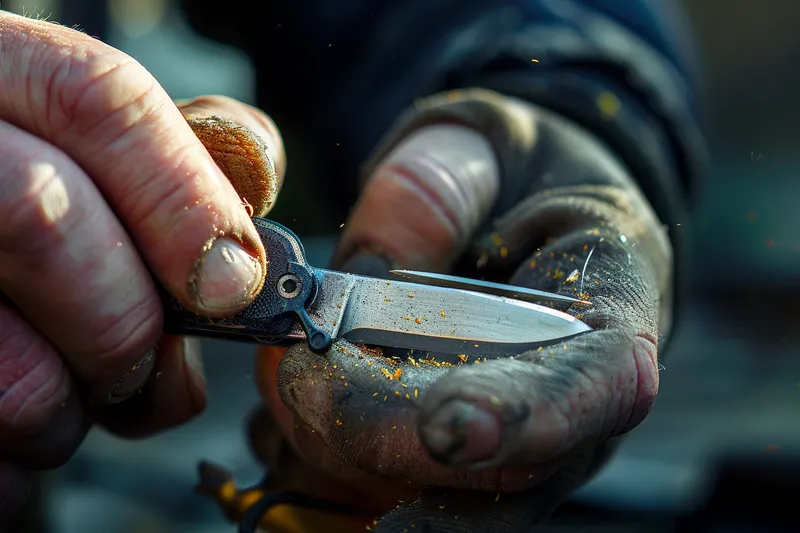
x=244 y=159
x=365 y=419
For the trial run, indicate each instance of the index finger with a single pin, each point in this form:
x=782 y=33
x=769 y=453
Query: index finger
x=112 y=118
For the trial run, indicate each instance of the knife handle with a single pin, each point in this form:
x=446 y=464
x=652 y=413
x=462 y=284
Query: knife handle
x=289 y=289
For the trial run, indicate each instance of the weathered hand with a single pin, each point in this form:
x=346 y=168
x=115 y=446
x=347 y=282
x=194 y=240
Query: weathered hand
x=398 y=436
x=104 y=188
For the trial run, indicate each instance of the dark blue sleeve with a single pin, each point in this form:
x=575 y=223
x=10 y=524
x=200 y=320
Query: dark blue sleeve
x=337 y=74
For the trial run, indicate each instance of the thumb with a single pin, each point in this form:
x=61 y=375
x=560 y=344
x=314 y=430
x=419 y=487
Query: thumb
x=421 y=203
x=244 y=143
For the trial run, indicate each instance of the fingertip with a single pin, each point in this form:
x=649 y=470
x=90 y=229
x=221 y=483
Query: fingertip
x=227 y=277
x=243 y=157
x=646 y=379
x=134 y=379
x=481 y=417
x=174 y=394
x=244 y=142
x=203 y=246
x=461 y=433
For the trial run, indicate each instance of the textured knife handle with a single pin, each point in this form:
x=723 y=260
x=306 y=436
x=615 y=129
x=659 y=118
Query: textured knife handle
x=289 y=288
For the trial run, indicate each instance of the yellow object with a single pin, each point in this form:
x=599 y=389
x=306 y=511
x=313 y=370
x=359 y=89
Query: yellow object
x=608 y=104
x=282 y=518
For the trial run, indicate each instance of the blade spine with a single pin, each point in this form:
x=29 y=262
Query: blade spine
x=445 y=280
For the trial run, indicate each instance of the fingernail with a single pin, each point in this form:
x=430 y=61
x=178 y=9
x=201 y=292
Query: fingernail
x=227 y=277
x=460 y=433
x=134 y=379
x=368 y=262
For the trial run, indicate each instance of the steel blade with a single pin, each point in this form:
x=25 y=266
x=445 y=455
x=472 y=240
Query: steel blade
x=426 y=318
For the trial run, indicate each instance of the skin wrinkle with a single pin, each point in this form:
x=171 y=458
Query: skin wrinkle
x=35 y=420
x=19 y=383
x=576 y=403
x=179 y=193
x=118 y=321
x=429 y=194
x=34 y=399
x=96 y=96
x=553 y=406
x=644 y=400
x=632 y=419
x=621 y=401
x=72 y=81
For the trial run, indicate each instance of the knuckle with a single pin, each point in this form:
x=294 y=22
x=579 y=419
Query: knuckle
x=168 y=202
x=57 y=74
x=100 y=95
x=35 y=200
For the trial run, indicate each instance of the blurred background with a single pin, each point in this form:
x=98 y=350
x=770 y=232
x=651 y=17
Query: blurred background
x=726 y=429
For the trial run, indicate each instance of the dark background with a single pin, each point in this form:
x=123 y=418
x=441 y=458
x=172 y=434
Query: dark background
x=731 y=383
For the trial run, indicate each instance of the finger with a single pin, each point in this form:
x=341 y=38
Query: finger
x=41 y=418
x=421 y=203
x=543 y=405
x=71 y=268
x=175 y=393
x=353 y=414
x=245 y=144
x=111 y=117
x=250 y=151
x=14 y=490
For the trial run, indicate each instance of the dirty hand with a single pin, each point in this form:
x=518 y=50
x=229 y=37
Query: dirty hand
x=105 y=192
x=485 y=445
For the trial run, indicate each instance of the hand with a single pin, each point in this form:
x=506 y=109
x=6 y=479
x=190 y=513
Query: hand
x=106 y=191
x=394 y=436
